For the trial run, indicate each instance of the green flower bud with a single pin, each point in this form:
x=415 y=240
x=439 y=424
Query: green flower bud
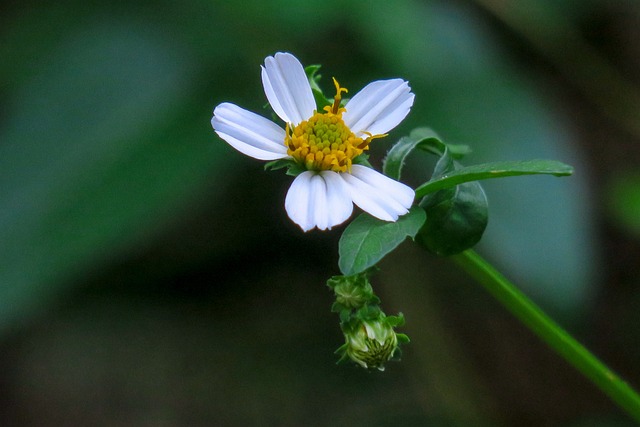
x=371 y=343
x=352 y=292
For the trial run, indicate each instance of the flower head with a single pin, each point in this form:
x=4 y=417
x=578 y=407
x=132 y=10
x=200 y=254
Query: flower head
x=352 y=292
x=371 y=343
x=323 y=143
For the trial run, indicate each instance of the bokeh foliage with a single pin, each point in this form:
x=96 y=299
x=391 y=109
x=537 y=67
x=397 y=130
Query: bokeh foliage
x=148 y=270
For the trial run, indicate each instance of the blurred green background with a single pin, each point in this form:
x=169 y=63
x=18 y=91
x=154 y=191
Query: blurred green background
x=149 y=275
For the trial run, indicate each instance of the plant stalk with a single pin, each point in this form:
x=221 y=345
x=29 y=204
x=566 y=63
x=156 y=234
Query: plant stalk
x=550 y=332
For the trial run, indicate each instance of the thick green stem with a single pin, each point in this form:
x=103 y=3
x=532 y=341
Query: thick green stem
x=556 y=337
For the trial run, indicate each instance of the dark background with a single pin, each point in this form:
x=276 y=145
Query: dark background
x=149 y=275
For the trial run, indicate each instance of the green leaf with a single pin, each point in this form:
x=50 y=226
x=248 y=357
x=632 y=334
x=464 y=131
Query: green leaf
x=313 y=76
x=493 y=170
x=395 y=321
x=366 y=312
x=293 y=167
x=456 y=217
x=394 y=161
x=278 y=164
x=367 y=240
x=431 y=142
x=362 y=159
x=403 y=339
x=425 y=139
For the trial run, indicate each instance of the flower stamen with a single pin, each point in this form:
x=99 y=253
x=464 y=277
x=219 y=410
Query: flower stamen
x=371 y=137
x=335 y=108
x=324 y=141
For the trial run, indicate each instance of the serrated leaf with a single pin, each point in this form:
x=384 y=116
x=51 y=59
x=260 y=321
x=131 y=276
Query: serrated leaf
x=396 y=156
x=456 y=217
x=293 y=167
x=456 y=220
x=493 y=170
x=432 y=143
x=423 y=138
x=362 y=159
x=367 y=240
x=278 y=164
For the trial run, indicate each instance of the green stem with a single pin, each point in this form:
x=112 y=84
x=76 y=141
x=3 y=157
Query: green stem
x=556 y=337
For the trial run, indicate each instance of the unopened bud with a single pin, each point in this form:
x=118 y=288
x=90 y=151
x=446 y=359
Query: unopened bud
x=352 y=292
x=371 y=343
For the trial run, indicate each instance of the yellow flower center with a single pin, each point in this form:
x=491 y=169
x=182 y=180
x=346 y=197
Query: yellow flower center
x=324 y=141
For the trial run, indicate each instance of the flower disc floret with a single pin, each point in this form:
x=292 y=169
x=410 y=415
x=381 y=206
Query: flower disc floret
x=324 y=142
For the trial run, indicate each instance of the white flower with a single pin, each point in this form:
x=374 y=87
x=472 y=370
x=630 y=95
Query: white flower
x=323 y=143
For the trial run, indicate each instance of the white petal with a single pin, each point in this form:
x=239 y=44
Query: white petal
x=318 y=200
x=287 y=88
x=378 y=107
x=248 y=132
x=340 y=205
x=377 y=194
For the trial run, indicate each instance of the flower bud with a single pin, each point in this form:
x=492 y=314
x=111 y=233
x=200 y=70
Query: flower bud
x=352 y=292
x=371 y=343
